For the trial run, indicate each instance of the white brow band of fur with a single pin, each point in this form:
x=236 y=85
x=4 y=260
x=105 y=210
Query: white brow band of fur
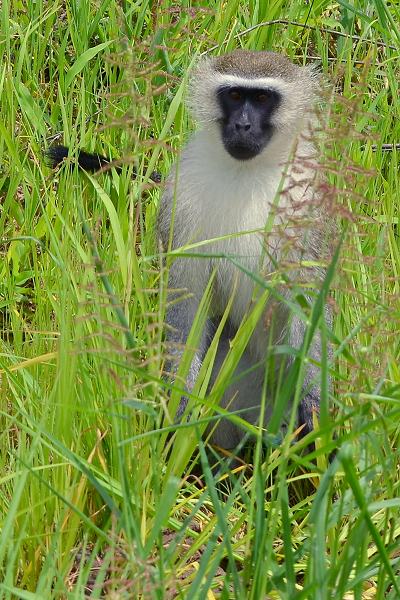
x=265 y=83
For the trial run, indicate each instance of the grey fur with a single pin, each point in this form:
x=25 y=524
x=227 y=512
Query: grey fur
x=212 y=195
x=250 y=64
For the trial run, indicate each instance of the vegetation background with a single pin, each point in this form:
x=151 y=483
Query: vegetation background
x=98 y=493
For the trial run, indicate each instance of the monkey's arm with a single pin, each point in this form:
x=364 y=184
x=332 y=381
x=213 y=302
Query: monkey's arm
x=309 y=275
x=310 y=402
x=179 y=320
x=317 y=246
x=187 y=281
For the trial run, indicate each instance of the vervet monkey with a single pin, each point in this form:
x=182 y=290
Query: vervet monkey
x=254 y=110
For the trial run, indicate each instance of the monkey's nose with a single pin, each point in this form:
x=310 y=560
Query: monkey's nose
x=242 y=126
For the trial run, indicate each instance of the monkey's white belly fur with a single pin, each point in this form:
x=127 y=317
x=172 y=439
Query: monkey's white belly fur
x=208 y=207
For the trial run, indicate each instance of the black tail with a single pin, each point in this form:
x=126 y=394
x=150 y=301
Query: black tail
x=87 y=161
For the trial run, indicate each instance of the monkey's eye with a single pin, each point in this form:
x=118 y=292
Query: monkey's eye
x=262 y=98
x=235 y=95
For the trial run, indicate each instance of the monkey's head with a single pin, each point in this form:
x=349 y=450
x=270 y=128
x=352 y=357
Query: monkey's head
x=251 y=97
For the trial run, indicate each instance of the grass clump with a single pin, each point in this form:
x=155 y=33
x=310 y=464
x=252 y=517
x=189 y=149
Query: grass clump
x=100 y=494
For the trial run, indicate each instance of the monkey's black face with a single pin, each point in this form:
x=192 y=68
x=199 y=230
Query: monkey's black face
x=246 y=125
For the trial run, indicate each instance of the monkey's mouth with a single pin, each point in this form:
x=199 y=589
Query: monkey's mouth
x=243 y=151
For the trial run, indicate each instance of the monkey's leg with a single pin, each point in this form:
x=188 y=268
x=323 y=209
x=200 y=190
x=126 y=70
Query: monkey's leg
x=243 y=396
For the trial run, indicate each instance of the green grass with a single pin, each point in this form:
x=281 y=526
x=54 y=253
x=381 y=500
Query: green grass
x=98 y=488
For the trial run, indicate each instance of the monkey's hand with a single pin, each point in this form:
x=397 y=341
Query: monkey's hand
x=190 y=381
x=309 y=406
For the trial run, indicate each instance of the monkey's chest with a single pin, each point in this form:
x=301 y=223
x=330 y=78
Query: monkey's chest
x=237 y=256
x=235 y=280
x=228 y=218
